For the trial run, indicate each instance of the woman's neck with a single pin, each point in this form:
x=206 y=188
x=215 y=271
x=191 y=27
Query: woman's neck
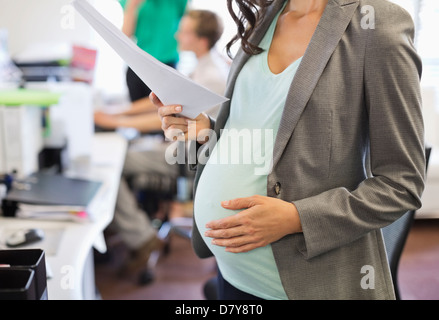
x=304 y=7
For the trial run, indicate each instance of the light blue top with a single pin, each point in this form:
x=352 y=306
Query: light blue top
x=239 y=165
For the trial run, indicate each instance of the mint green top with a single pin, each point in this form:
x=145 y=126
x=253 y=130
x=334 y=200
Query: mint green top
x=239 y=165
x=156 y=26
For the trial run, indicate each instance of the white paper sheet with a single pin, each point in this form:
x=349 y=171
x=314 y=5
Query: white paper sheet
x=168 y=84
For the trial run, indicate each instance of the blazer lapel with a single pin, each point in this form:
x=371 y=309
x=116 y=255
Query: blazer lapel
x=333 y=23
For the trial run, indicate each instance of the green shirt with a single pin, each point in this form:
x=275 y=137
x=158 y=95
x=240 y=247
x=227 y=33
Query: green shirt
x=239 y=165
x=157 y=23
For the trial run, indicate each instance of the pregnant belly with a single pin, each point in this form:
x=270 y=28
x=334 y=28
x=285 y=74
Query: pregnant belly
x=256 y=267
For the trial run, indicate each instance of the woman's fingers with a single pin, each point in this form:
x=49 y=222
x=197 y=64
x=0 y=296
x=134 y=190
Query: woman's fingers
x=226 y=233
x=173 y=127
x=155 y=100
x=180 y=128
x=166 y=111
x=169 y=122
x=163 y=110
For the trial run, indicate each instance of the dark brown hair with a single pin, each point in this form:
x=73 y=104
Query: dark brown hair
x=250 y=13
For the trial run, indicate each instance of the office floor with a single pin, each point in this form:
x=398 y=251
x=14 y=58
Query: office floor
x=181 y=275
x=419 y=264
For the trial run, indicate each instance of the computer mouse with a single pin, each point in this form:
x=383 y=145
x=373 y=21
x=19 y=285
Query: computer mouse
x=24 y=237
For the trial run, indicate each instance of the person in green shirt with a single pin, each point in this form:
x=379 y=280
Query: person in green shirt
x=152 y=24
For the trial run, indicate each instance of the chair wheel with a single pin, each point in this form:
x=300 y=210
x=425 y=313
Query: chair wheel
x=166 y=249
x=146 y=277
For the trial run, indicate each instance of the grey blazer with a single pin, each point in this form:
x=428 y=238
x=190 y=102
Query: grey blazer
x=349 y=151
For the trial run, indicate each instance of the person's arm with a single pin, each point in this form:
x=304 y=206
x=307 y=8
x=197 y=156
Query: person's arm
x=130 y=17
x=148 y=122
x=397 y=157
x=140 y=106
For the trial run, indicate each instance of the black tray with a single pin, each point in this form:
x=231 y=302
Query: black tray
x=24 y=259
x=17 y=284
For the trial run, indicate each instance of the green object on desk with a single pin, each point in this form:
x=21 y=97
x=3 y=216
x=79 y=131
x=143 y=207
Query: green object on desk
x=26 y=97
x=18 y=97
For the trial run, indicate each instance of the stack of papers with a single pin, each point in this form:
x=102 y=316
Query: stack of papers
x=54 y=197
x=170 y=86
x=52 y=212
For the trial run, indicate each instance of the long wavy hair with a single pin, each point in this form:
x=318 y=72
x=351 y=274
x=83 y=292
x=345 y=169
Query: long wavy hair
x=249 y=15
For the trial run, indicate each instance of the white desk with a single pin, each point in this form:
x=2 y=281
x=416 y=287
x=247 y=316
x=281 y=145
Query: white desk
x=68 y=245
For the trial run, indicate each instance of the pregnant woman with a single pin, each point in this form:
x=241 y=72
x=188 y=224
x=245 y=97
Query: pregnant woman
x=326 y=92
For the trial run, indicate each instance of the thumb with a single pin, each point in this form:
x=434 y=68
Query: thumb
x=239 y=203
x=155 y=100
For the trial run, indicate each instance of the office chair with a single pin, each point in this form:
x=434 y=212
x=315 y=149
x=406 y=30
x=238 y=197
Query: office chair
x=395 y=236
x=156 y=192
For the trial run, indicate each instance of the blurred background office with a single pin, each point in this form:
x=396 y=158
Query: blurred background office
x=46 y=45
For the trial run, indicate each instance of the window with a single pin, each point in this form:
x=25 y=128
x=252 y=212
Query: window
x=109 y=79
x=427 y=40
x=425 y=14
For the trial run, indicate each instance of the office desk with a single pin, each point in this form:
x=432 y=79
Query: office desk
x=69 y=245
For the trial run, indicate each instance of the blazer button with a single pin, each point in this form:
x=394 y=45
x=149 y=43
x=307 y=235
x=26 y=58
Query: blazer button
x=277 y=188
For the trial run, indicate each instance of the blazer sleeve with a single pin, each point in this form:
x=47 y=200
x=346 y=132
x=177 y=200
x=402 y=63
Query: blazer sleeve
x=392 y=73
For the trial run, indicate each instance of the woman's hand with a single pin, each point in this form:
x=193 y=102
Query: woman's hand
x=264 y=221
x=179 y=128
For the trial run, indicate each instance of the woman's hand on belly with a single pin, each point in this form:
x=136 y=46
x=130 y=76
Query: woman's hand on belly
x=264 y=220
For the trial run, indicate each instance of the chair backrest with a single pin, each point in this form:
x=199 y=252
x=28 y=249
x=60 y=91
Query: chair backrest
x=395 y=236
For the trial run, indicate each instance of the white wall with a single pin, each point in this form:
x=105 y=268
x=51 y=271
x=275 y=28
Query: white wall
x=51 y=27
x=40 y=21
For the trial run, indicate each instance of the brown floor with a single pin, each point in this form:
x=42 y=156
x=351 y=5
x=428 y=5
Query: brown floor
x=419 y=264
x=180 y=275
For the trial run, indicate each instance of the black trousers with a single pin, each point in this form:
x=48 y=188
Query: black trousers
x=228 y=292
x=137 y=89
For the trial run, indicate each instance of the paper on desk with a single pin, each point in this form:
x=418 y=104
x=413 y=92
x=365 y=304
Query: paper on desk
x=168 y=84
